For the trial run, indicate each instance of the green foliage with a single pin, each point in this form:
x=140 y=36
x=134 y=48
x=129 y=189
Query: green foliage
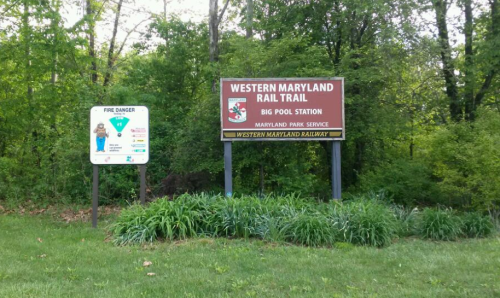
x=440 y=224
x=476 y=225
x=167 y=219
x=287 y=218
x=366 y=222
x=399 y=137
x=407 y=220
x=130 y=227
x=464 y=157
x=408 y=182
x=235 y=217
x=311 y=229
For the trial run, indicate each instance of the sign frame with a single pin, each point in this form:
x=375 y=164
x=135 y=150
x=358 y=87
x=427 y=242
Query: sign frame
x=148 y=135
x=230 y=139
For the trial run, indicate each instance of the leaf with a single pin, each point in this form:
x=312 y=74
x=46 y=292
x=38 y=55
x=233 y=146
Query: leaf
x=147 y=263
x=151 y=274
x=39 y=240
x=42 y=256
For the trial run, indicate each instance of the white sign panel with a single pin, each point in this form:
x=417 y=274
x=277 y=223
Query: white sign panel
x=119 y=135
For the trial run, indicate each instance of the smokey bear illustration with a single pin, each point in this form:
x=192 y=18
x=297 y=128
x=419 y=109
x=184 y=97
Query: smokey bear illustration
x=101 y=136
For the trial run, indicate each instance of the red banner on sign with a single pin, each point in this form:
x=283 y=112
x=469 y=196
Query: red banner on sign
x=282 y=109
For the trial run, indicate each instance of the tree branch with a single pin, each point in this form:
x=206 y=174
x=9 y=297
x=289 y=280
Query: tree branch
x=128 y=34
x=219 y=19
x=8 y=8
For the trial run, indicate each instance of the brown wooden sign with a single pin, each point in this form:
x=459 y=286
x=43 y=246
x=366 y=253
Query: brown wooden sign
x=282 y=109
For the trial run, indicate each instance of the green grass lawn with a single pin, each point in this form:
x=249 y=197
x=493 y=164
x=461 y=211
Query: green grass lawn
x=74 y=260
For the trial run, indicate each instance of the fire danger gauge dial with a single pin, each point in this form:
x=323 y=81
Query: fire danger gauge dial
x=119 y=124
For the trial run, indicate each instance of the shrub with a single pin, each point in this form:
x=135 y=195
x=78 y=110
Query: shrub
x=367 y=223
x=407 y=220
x=476 y=225
x=311 y=229
x=177 y=219
x=361 y=221
x=233 y=217
x=408 y=182
x=464 y=157
x=440 y=224
x=130 y=227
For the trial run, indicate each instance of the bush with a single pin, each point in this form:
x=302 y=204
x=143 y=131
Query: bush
x=365 y=222
x=130 y=227
x=361 y=221
x=178 y=219
x=440 y=224
x=475 y=225
x=464 y=157
x=233 y=218
x=407 y=220
x=309 y=229
x=408 y=182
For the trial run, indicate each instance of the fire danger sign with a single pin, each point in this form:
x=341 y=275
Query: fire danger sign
x=119 y=135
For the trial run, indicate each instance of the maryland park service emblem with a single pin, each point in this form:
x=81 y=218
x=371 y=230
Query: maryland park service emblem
x=237 y=110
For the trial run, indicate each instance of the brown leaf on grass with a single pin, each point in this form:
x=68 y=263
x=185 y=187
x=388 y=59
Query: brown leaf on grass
x=39 y=240
x=147 y=263
x=151 y=274
x=42 y=256
x=37 y=211
x=83 y=239
x=70 y=215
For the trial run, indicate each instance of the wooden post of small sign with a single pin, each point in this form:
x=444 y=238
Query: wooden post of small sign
x=95 y=195
x=336 y=177
x=142 y=169
x=228 y=168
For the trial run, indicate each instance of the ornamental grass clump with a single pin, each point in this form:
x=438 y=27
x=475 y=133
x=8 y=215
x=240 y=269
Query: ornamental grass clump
x=131 y=227
x=407 y=220
x=476 y=225
x=440 y=224
x=177 y=219
x=311 y=229
x=233 y=217
x=365 y=222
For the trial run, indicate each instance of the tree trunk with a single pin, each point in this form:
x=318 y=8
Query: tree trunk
x=54 y=24
x=91 y=19
x=213 y=28
x=448 y=66
x=493 y=36
x=338 y=42
x=469 y=64
x=27 y=52
x=249 y=19
x=164 y=10
x=111 y=56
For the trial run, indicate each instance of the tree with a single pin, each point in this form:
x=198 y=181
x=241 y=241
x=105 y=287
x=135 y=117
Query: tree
x=464 y=106
x=215 y=17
